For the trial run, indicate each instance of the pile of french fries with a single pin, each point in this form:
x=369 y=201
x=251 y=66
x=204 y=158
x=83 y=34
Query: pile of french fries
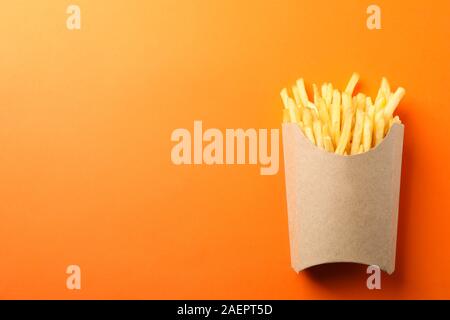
x=342 y=122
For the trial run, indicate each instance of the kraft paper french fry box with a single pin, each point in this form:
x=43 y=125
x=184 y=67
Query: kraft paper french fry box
x=342 y=208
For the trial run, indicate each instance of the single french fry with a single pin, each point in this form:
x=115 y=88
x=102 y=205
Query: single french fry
x=390 y=107
x=384 y=89
x=328 y=144
x=357 y=131
x=385 y=86
x=379 y=94
x=298 y=101
x=302 y=92
x=370 y=107
x=379 y=110
x=316 y=94
x=369 y=103
x=346 y=105
x=348 y=147
x=329 y=95
x=317 y=128
x=361 y=101
x=336 y=116
x=327 y=140
x=284 y=97
x=352 y=83
x=323 y=112
x=371 y=115
x=367 y=134
x=379 y=115
x=325 y=130
x=371 y=111
x=393 y=103
x=307 y=117
x=380 y=103
x=286 y=116
x=379 y=131
x=346 y=101
x=293 y=111
x=324 y=89
x=345 y=134
x=296 y=94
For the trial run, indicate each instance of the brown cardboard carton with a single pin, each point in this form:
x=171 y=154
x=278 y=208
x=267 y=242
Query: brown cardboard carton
x=342 y=208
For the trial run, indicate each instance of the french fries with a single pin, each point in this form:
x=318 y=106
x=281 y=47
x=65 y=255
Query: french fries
x=342 y=122
x=352 y=83
x=336 y=116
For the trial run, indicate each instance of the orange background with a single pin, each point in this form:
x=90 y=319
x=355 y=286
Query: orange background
x=85 y=123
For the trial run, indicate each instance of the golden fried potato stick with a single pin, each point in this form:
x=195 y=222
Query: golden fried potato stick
x=347 y=101
x=323 y=112
x=336 y=116
x=379 y=131
x=284 y=97
x=379 y=115
x=307 y=117
x=329 y=95
x=298 y=101
x=357 y=131
x=286 y=116
x=345 y=134
x=316 y=94
x=384 y=90
x=327 y=141
x=296 y=94
x=293 y=111
x=393 y=103
x=346 y=105
x=302 y=92
x=352 y=83
x=361 y=101
x=328 y=144
x=323 y=89
x=367 y=133
x=317 y=128
x=370 y=107
x=379 y=103
x=369 y=103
